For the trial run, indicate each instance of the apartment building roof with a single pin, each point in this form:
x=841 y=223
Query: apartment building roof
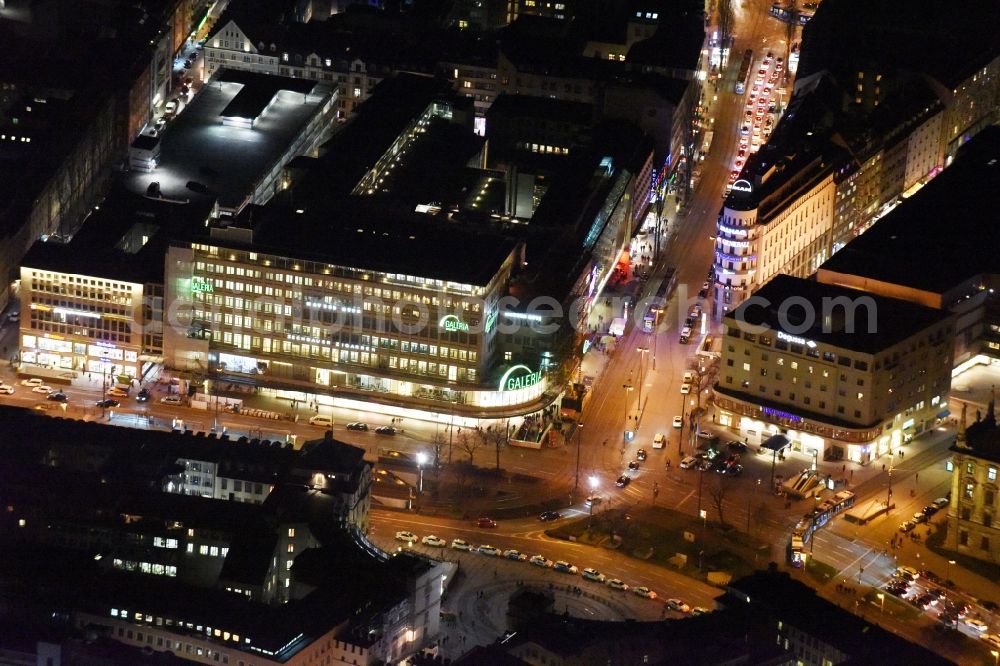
x=982 y=438
x=876 y=322
x=124 y=239
x=947 y=222
x=382 y=40
x=86 y=501
x=396 y=103
x=678 y=39
x=923 y=36
x=370 y=234
x=775 y=595
x=713 y=638
x=257 y=92
x=53 y=101
x=147 y=457
x=543 y=109
x=201 y=155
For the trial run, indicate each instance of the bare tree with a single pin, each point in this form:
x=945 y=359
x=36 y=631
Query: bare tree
x=725 y=23
x=438 y=440
x=718 y=495
x=468 y=443
x=496 y=437
x=761 y=513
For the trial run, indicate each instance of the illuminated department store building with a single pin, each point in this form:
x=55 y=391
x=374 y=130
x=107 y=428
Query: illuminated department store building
x=402 y=319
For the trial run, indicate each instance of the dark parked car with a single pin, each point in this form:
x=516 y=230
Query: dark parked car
x=737 y=446
x=57 y=396
x=623 y=481
x=546 y=516
x=142 y=395
x=640 y=454
x=930 y=575
x=385 y=430
x=486 y=523
x=633 y=464
x=358 y=425
x=107 y=403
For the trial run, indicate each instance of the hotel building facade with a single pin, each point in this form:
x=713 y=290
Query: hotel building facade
x=853 y=380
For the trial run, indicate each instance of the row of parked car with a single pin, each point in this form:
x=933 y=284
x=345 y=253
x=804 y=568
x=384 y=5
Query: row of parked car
x=541 y=561
x=924 y=514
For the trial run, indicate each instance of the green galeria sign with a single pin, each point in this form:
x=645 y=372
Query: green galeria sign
x=491 y=320
x=453 y=323
x=519 y=377
x=200 y=284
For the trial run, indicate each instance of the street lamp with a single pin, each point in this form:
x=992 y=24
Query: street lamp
x=749 y=500
x=888 y=499
x=422 y=459
x=576 y=481
x=105 y=363
x=593 y=481
x=881 y=600
x=642 y=356
x=628 y=387
x=950 y=562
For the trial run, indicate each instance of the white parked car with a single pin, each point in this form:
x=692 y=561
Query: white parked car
x=41 y=388
x=678 y=421
x=689 y=462
x=459 y=544
x=486 y=549
x=540 y=561
x=594 y=575
x=171 y=400
x=562 y=566
x=644 y=592
x=116 y=392
x=685 y=389
x=659 y=441
x=408 y=537
x=320 y=420
x=434 y=541
x=678 y=605
x=975 y=625
x=34 y=381
x=617 y=584
x=515 y=555
x=7 y=389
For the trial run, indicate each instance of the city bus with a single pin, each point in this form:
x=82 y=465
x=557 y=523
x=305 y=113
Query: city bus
x=744 y=75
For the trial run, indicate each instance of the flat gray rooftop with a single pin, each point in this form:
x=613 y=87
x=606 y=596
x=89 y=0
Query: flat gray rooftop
x=227 y=160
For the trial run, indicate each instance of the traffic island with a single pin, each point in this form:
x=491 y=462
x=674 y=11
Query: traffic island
x=821 y=572
x=703 y=550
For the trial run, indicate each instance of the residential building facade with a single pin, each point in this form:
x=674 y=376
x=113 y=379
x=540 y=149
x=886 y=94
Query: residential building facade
x=972 y=514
